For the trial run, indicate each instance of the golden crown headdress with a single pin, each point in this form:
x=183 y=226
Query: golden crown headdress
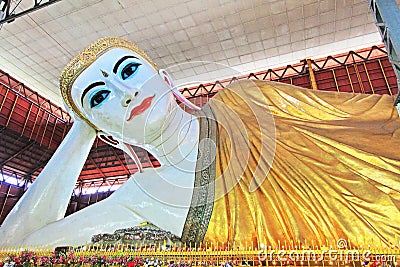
x=85 y=58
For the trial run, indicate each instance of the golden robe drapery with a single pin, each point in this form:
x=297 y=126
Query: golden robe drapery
x=318 y=166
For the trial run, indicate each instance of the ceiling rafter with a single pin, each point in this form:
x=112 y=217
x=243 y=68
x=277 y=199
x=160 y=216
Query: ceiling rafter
x=40 y=164
x=19 y=152
x=12 y=13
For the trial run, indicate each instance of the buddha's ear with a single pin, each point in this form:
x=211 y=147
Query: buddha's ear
x=166 y=77
x=109 y=139
x=178 y=95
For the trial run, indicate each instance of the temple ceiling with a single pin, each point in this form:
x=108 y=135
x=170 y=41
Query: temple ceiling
x=184 y=36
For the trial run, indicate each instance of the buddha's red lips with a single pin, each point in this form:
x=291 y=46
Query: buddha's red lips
x=141 y=108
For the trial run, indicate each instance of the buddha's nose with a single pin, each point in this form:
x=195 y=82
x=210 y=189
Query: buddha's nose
x=129 y=92
x=128 y=98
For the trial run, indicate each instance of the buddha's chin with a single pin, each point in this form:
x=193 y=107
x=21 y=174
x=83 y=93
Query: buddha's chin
x=148 y=126
x=141 y=140
x=141 y=132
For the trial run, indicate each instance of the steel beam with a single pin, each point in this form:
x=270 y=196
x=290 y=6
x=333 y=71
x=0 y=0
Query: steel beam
x=20 y=151
x=387 y=19
x=23 y=91
x=36 y=6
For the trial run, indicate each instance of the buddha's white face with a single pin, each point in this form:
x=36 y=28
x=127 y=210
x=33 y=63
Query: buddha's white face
x=123 y=95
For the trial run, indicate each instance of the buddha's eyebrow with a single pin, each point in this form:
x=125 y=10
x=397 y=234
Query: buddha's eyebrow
x=120 y=61
x=90 y=87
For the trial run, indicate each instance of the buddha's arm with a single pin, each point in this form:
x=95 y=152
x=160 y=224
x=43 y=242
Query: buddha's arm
x=47 y=198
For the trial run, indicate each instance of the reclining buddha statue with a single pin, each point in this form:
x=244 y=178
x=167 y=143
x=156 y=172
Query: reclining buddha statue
x=260 y=163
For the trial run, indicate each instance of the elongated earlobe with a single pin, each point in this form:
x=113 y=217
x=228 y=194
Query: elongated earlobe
x=129 y=150
x=178 y=95
x=109 y=139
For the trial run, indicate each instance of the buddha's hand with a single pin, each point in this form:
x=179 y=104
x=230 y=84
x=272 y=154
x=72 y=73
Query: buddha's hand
x=85 y=128
x=80 y=123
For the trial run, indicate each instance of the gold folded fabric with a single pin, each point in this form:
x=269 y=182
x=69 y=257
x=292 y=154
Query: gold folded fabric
x=318 y=166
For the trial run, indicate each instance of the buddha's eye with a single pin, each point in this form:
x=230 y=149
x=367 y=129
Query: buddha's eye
x=98 y=97
x=129 y=70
